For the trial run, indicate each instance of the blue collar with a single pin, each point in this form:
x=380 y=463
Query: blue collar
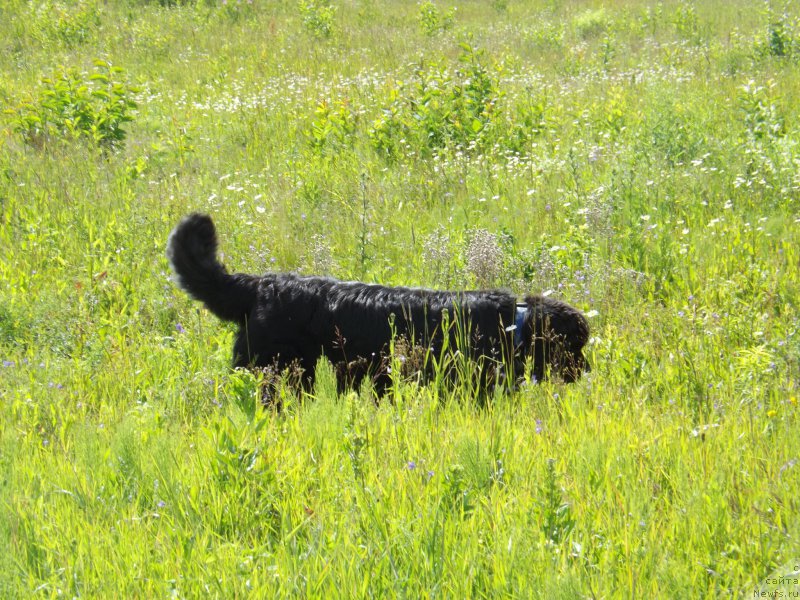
x=519 y=322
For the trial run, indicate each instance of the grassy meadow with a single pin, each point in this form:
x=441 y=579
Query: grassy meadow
x=639 y=160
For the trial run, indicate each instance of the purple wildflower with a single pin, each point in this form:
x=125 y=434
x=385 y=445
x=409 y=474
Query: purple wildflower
x=179 y=328
x=411 y=465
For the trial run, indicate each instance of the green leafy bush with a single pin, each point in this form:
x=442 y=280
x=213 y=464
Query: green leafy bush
x=432 y=21
x=439 y=107
x=75 y=105
x=760 y=112
x=781 y=37
x=333 y=126
x=317 y=17
x=71 y=25
x=591 y=23
x=686 y=22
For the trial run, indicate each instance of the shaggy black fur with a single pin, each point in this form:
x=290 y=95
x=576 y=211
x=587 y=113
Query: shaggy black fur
x=287 y=320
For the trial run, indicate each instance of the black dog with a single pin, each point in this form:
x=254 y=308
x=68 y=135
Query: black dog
x=288 y=321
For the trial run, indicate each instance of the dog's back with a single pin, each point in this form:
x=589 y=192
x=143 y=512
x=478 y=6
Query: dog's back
x=192 y=250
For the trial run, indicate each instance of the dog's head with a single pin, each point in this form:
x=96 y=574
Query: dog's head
x=554 y=335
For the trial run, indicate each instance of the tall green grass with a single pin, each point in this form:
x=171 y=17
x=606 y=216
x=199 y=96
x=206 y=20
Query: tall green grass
x=638 y=160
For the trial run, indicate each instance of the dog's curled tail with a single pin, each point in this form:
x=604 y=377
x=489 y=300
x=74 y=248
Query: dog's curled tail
x=192 y=250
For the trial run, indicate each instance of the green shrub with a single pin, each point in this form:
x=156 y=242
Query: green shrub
x=762 y=116
x=686 y=22
x=439 y=107
x=317 y=18
x=71 y=25
x=74 y=105
x=432 y=21
x=591 y=23
x=781 y=37
x=333 y=126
